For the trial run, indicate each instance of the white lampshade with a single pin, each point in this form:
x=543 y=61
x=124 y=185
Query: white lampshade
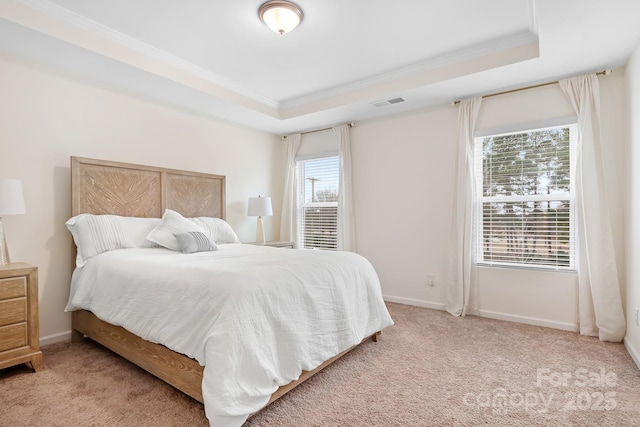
x=11 y=198
x=259 y=206
x=11 y=203
x=280 y=16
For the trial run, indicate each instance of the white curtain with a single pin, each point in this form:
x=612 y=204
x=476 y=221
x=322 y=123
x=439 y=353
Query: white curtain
x=346 y=219
x=462 y=258
x=599 y=302
x=289 y=202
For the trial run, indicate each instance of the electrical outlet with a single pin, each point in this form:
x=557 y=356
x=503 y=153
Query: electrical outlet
x=431 y=280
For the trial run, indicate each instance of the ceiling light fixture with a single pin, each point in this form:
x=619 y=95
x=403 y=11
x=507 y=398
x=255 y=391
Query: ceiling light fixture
x=280 y=16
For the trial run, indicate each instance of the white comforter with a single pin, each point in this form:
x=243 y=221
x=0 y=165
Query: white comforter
x=255 y=317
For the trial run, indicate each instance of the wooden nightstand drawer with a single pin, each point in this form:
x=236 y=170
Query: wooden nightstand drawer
x=13 y=336
x=13 y=287
x=19 y=336
x=13 y=311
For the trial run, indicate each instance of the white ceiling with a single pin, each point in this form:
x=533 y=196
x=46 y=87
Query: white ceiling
x=215 y=57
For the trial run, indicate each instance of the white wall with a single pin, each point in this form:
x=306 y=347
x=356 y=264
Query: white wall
x=404 y=183
x=632 y=340
x=45 y=118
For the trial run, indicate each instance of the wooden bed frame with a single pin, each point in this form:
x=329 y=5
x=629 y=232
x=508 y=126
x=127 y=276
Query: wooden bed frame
x=105 y=187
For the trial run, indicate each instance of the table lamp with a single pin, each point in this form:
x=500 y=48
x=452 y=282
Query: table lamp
x=260 y=206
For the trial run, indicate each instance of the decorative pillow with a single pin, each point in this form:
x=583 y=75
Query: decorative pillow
x=218 y=230
x=172 y=223
x=95 y=234
x=194 y=241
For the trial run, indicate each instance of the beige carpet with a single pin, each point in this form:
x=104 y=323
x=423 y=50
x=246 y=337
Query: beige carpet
x=430 y=369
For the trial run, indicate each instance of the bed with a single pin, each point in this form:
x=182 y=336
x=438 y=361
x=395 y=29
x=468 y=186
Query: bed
x=144 y=194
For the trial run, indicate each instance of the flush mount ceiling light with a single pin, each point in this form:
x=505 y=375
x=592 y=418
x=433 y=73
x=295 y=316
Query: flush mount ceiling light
x=281 y=16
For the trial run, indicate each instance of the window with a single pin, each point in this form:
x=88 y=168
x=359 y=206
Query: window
x=318 y=203
x=526 y=198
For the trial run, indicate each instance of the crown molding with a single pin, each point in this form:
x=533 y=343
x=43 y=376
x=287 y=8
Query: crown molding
x=466 y=54
x=59 y=22
x=74 y=19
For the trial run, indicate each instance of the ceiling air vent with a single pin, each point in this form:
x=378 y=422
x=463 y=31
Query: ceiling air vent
x=386 y=102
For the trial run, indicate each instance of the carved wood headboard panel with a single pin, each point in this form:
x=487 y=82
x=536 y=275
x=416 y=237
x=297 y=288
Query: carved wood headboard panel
x=105 y=187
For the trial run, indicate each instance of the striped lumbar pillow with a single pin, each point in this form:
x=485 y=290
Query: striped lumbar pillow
x=194 y=241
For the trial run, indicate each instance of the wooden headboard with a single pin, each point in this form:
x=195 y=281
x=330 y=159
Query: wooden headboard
x=105 y=187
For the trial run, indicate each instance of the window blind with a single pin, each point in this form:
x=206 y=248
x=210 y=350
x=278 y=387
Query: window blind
x=525 y=198
x=318 y=208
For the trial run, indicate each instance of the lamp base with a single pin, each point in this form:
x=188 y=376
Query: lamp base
x=4 y=250
x=260 y=231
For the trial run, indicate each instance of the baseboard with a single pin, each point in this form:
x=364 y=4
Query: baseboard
x=416 y=302
x=489 y=314
x=528 y=320
x=55 y=338
x=635 y=354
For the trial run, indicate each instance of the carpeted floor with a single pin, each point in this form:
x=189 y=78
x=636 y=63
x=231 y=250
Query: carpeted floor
x=430 y=369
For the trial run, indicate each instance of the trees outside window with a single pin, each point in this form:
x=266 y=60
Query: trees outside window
x=526 y=198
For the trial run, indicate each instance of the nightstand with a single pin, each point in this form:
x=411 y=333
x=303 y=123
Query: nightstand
x=275 y=244
x=19 y=335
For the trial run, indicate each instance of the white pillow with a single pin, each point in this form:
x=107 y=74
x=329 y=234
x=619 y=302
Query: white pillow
x=217 y=229
x=195 y=241
x=172 y=223
x=95 y=234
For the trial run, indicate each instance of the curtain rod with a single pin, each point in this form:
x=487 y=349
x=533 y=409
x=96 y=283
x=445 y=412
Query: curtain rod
x=352 y=124
x=599 y=73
